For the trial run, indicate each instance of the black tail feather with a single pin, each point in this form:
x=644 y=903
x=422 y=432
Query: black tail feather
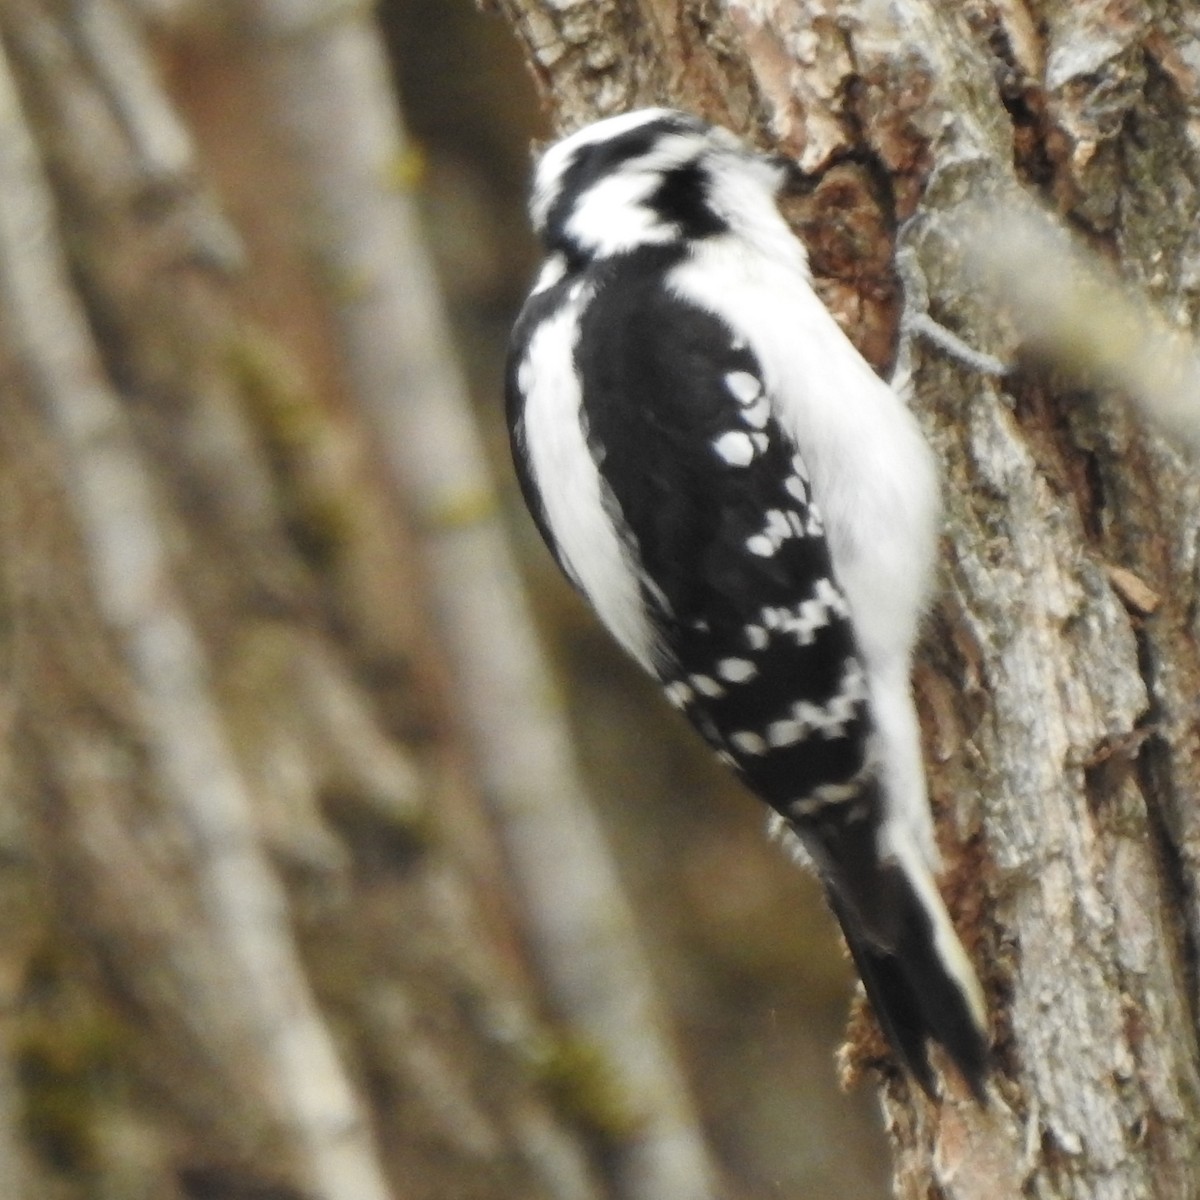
x=915 y=995
x=917 y=975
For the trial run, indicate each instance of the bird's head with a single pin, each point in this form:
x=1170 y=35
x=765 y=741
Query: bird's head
x=651 y=177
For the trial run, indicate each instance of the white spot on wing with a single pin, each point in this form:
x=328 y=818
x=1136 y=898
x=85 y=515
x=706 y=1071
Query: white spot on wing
x=745 y=388
x=758 y=413
x=784 y=733
x=706 y=686
x=736 y=670
x=748 y=743
x=735 y=448
x=804 y=619
x=757 y=637
x=829 y=795
x=828 y=720
x=777 y=525
x=829 y=595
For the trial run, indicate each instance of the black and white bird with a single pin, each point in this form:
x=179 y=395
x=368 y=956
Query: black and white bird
x=753 y=514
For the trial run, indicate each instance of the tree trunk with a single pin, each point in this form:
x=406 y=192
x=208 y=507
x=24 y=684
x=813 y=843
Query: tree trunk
x=1058 y=676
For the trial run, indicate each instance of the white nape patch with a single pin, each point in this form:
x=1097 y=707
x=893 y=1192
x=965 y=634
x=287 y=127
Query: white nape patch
x=735 y=448
x=706 y=686
x=748 y=743
x=557 y=160
x=744 y=386
x=613 y=216
x=594 y=548
x=553 y=269
x=736 y=670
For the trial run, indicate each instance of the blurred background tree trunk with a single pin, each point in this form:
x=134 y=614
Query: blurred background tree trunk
x=1058 y=679
x=242 y=957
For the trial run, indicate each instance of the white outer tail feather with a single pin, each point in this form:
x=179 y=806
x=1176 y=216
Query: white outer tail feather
x=897 y=847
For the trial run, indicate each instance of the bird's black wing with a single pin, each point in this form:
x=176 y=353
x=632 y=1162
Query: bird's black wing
x=737 y=572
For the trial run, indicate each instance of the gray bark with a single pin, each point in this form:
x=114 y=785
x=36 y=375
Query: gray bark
x=1058 y=677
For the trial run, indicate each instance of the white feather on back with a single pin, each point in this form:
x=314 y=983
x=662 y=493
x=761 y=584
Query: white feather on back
x=571 y=488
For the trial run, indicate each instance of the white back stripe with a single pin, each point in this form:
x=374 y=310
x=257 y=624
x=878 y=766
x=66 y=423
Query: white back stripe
x=595 y=552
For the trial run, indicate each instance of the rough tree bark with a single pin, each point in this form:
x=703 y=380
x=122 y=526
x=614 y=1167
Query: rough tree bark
x=1059 y=675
